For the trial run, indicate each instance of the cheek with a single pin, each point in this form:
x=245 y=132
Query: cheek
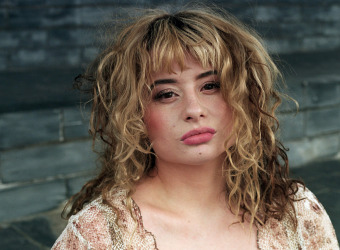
x=154 y=122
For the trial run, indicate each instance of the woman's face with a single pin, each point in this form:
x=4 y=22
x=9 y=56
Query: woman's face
x=187 y=119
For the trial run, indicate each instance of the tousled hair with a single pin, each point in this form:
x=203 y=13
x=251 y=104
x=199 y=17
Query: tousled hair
x=256 y=167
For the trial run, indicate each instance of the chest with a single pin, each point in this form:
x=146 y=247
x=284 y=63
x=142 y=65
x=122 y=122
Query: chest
x=196 y=235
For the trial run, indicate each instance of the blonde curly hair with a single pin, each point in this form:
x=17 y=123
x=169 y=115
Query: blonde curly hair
x=256 y=167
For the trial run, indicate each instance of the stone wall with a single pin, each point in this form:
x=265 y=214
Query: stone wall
x=58 y=33
x=45 y=157
x=45 y=150
x=313 y=133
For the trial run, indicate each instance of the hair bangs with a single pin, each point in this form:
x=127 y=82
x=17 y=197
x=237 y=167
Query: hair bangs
x=172 y=39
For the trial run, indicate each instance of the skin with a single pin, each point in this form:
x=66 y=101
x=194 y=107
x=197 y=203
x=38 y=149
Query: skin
x=183 y=204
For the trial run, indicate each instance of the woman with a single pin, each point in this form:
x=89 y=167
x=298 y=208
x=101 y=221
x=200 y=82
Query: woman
x=184 y=105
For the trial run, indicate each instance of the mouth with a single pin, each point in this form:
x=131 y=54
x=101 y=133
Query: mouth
x=198 y=136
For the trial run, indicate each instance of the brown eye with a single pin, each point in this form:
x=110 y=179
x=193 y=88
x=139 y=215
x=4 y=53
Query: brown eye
x=211 y=86
x=165 y=95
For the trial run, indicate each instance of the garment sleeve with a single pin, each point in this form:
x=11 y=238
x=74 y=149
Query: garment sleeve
x=70 y=239
x=88 y=229
x=315 y=230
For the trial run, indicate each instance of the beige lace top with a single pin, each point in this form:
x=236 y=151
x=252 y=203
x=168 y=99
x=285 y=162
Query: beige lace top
x=94 y=227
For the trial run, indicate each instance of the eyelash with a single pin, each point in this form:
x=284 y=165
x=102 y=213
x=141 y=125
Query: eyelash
x=216 y=85
x=162 y=94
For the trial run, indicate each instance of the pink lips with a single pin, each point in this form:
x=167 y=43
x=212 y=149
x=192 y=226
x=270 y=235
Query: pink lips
x=198 y=136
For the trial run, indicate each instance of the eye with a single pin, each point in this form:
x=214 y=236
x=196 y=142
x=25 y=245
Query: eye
x=165 y=95
x=211 y=87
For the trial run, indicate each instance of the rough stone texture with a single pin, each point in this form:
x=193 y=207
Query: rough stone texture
x=10 y=239
x=60 y=17
x=71 y=37
x=75 y=184
x=291 y=126
x=322 y=121
x=90 y=54
x=93 y=16
x=37 y=89
x=26 y=128
x=3 y=60
x=30 y=199
x=25 y=17
x=63 y=56
x=323 y=91
x=307 y=150
x=76 y=123
x=23 y=38
x=38 y=229
x=28 y=57
x=295 y=91
x=46 y=161
x=287 y=26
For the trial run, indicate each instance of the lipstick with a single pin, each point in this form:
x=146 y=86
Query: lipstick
x=198 y=136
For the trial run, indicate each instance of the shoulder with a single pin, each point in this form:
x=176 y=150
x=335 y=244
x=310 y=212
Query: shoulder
x=92 y=228
x=314 y=227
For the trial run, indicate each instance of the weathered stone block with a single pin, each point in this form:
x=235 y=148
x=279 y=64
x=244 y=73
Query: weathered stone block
x=45 y=161
x=12 y=240
x=75 y=184
x=90 y=53
x=63 y=56
x=22 y=58
x=3 y=15
x=322 y=121
x=22 y=39
x=46 y=89
x=8 y=39
x=76 y=123
x=294 y=90
x=323 y=91
x=271 y=13
x=76 y=115
x=25 y=17
x=76 y=131
x=291 y=126
x=72 y=37
x=63 y=2
x=320 y=43
x=38 y=229
x=90 y=16
x=3 y=60
x=24 y=3
x=60 y=17
x=282 y=31
x=306 y=150
x=27 y=128
x=30 y=199
x=278 y=46
x=325 y=12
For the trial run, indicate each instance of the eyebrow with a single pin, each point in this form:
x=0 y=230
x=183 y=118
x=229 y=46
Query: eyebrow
x=170 y=80
x=205 y=74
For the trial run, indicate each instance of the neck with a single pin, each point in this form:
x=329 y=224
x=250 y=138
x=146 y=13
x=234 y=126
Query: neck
x=193 y=187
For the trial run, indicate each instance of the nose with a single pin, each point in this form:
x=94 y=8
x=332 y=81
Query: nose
x=194 y=108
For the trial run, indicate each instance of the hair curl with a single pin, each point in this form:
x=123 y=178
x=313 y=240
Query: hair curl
x=256 y=166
